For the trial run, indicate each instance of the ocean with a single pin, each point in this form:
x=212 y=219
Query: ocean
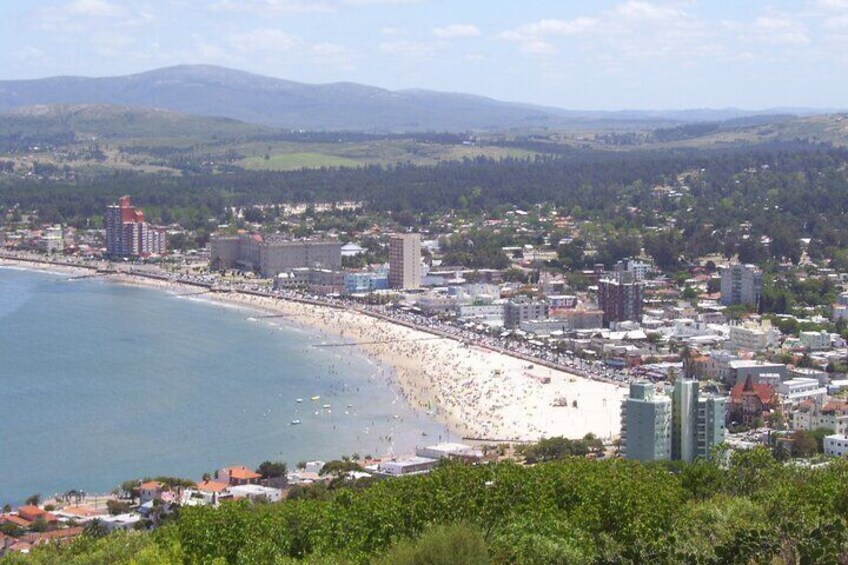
x=102 y=382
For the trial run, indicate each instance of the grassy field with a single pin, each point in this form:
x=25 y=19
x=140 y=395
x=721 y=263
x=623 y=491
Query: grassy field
x=293 y=161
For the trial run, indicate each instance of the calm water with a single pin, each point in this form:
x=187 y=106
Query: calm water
x=100 y=383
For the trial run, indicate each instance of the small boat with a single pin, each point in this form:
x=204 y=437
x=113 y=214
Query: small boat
x=295 y=422
x=299 y=400
x=315 y=398
x=327 y=406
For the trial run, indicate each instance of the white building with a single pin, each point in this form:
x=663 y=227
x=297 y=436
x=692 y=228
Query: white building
x=408 y=466
x=815 y=341
x=794 y=391
x=447 y=450
x=830 y=416
x=256 y=492
x=754 y=338
x=741 y=284
x=836 y=445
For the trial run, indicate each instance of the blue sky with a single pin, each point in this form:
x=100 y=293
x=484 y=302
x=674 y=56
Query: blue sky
x=581 y=55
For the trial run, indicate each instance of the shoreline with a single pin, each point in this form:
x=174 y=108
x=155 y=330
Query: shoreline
x=479 y=392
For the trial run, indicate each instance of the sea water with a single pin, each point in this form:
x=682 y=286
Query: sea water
x=102 y=382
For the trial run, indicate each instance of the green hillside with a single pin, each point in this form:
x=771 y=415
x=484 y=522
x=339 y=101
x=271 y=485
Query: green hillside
x=754 y=510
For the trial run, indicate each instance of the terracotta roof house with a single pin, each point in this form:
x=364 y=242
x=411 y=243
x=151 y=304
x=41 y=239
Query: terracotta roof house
x=238 y=475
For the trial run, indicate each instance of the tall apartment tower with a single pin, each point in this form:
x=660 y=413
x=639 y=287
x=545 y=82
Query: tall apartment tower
x=710 y=428
x=684 y=410
x=128 y=235
x=620 y=300
x=697 y=422
x=646 y=424
x=405 y=261
x=741 y=284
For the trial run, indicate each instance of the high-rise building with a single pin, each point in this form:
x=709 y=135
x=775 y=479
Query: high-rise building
x=697 y=422
x=684 y=427
x=405 y=261
x=646 y=424
x=128 y=235
x=620 y=300
x=710 y=427
x=741 y=284
x=684 y=409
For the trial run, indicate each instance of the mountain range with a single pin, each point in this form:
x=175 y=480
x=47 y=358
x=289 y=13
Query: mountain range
x=204 y=90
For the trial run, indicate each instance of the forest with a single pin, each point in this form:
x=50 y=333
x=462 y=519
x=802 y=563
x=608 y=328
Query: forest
x=755 y=201
x=753 y=509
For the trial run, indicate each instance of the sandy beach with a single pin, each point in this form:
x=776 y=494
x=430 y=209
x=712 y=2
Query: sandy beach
x=478 y=393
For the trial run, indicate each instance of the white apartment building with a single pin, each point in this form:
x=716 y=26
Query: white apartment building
x=836 y=445
x=753 y=338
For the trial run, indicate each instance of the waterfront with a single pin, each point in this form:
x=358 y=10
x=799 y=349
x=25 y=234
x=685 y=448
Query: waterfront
x=104 y=382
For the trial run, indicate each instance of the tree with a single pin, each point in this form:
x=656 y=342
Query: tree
x=34 y=499
x=803 y=444
x=272 y=470
x=440 y=545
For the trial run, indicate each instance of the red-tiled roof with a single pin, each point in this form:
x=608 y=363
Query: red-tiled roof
x=211 y=486
x=17 y=520
x=765 y=392
x=242 y=473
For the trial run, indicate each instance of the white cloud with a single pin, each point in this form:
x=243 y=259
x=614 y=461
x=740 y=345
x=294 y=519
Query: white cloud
x=630 y=30
x=263 y=40
x=272 y=6
x=457 y=31
x=86 y=15
x=97 y=8
x=414 y=48
x=771 y=30
x=369 y=2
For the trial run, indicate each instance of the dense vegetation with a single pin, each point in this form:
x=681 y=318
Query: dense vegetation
x=752 y=510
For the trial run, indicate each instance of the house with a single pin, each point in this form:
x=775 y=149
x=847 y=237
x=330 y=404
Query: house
x=150 y=490
x=257 y=492
x=238 y=475
x=126 y=521
x=408 y=466
x=749 y=401
x=16 y=520
x=213 y=491
x=31 y=513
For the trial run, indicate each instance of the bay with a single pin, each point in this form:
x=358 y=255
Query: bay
x=101 y=382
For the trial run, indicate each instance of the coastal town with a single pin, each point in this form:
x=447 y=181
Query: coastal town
x=505 y=345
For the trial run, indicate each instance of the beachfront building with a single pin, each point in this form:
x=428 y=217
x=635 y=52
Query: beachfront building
x=646 y=424
x=271 y=256
x=523 y=309
x=365 y=282
x=128 y=235
x=405 y=261
x=741 y=284
x=620 y=299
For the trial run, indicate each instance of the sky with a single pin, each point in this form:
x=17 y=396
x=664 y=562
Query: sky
x=585 y=55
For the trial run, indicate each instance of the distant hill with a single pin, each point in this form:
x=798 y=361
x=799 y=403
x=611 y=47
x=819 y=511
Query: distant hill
x=828 y=128
x=203 y=90
x=85 y=122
